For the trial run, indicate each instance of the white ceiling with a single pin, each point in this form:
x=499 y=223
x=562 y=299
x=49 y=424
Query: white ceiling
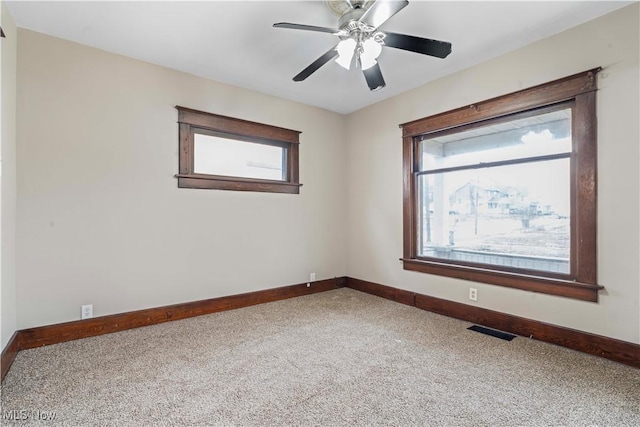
x=234 y=41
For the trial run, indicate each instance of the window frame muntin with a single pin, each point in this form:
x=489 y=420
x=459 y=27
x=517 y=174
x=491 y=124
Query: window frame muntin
x=193 y=121
x=578 y=89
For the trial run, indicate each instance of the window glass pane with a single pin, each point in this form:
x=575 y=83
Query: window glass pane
x=539 y=135
x=230 y=157
x=515 y=216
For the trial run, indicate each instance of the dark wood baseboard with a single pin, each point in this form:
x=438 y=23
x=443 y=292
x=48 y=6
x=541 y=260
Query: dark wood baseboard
x=9 y=354
x=609 y=348
x=53 y=334
x=394 y=294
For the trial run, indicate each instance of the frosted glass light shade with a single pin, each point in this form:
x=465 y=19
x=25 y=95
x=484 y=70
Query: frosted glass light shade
x=346 y=49
x=372 y=50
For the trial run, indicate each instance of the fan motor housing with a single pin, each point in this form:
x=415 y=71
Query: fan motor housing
x=340 y=7
x=350 y=16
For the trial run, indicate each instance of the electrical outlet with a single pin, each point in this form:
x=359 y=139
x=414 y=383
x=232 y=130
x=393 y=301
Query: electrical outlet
x=87 y=311
x=473 y=294
x=312 y=277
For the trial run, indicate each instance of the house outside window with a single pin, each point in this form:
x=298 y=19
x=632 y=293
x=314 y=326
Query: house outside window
x=503 y=191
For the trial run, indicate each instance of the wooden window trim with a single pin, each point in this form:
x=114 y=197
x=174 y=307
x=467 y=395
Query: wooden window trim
x=579 y=89
x=193 y=121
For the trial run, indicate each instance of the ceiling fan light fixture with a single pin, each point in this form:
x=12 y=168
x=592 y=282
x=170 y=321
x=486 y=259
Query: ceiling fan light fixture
x=346 y=48
x=361 y=41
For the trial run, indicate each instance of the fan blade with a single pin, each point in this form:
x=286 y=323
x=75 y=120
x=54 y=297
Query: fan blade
x=382 y=10
x=374 y=78
x=331 y=53
x=307 y=28
x=436 y=48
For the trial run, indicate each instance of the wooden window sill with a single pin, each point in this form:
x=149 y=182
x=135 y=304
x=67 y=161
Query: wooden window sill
x=216 y=182
x=545 y=285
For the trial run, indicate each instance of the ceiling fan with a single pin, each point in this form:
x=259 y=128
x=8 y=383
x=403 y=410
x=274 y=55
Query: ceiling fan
x=360 y=40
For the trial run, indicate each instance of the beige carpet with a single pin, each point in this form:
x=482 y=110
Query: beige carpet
x=336 y=358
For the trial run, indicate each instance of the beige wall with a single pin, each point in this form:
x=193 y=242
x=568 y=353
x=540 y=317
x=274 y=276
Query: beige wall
x=8 y=179
x=375 y=174
x=100 y=218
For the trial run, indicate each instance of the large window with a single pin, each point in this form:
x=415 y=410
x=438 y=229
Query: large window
x=218 y=152
x=503 y=191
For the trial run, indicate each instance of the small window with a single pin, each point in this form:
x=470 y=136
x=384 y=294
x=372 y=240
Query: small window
x=503 y=192
x=224 y=153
